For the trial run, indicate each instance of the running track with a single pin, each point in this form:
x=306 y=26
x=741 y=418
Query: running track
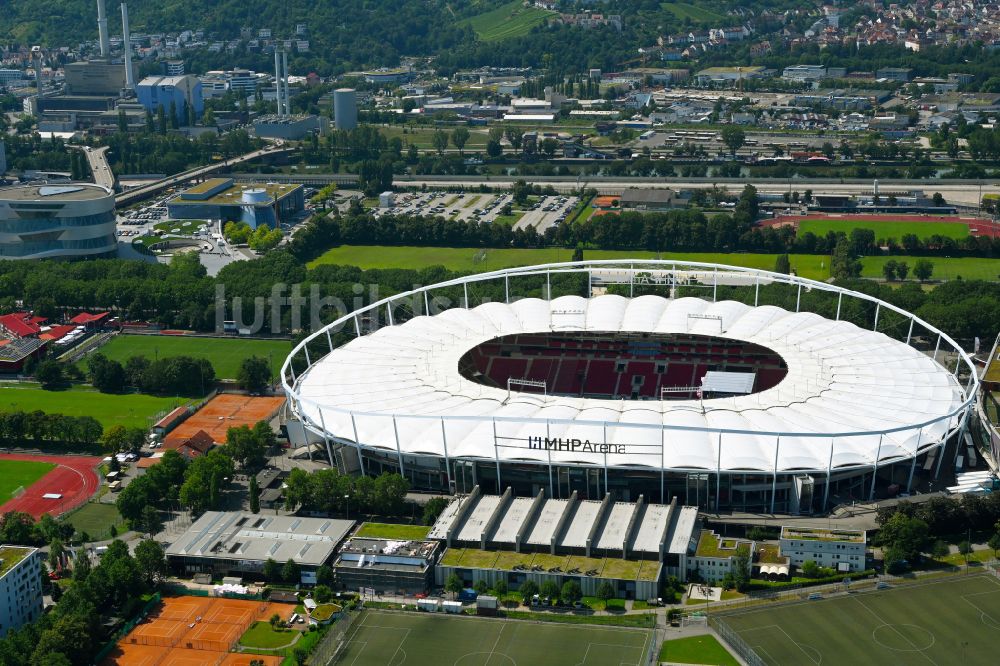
x=74 y=478
x=983 y=227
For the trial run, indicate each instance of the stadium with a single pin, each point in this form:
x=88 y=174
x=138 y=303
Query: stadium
x=724 y=387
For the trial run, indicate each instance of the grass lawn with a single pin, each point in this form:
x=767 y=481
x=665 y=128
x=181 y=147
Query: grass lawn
x=15 y=474
x=133 y=409
x=683 y=10
x=897 y=230
x=510 y=20
x=262 y=636
x=95 y=519
x=929 y=622
x=389 y=531
x=180 y=226
x=226 y=354
x=428 y=638
x=945 y=268
x=696 y=650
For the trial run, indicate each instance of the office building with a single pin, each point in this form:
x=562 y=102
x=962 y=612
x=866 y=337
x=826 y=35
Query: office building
x=65 y=221
x=390 y=566
x=173 y=67
x=20 y=587
x=843 y=550
x=178 y=92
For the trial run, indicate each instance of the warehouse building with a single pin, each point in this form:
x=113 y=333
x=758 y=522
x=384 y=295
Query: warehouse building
x=516 y=539
x=227 y=543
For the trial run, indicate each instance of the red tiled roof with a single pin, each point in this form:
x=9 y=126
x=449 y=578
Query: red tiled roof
x=21 y=324
x=88 y=318
x=56 y=332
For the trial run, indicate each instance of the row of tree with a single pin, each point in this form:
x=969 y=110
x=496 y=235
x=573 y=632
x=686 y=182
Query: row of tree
x=172 y=375
x=36 y=427
x=329 y=491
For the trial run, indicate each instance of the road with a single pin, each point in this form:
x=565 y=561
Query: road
x=151 y=189
x=98 y=160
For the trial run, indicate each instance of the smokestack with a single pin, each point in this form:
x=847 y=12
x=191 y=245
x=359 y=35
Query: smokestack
x=127 y=37
x=277 y=80
x=284 y=68
x=102 y=29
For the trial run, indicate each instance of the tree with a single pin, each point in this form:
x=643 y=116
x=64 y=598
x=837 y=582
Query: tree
x=248 y=446
x=938 y=199
x=902 y=269
x=906 y=534
x=272 y=570
x=528 y=590
x=494 y=149
x=433 y=509
x=118 y=439
x=453 y=584
x=151 y=560
x=322 y=594
x=733 y=137
x=500 y=587
x=325 y=576
x=81 y=565
x=571 y=592
x=810 y=569
x=782 y=264
x=994 y=544
x=605 y=591
x=151 y=523
x=254 y=495
x=939 y=549
x=965 y=549
x=889 y=270
x=549 y=589
x=290 y=572
x=49 y=374
x=56 y=552
x=923 y=270
x=254 y=374
x=480 y=586
x=106 y=375
x=440 y=141
x=459 y=137
x=274 y=621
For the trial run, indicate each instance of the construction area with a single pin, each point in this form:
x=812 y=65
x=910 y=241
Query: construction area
x=195 y=631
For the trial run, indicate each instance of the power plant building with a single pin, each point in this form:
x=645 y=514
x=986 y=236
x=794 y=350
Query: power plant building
x=57 y=221
x=255 y=204
x=179 y=92
x=345 y=108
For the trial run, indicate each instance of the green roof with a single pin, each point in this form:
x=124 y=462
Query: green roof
x=233 y=196
x=711 y=544
x=768 y=554
x=820 y=534
x=606 y=567
x=11 y=556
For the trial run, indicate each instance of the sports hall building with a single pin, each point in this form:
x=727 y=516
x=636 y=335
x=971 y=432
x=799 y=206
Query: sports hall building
x=720 y=386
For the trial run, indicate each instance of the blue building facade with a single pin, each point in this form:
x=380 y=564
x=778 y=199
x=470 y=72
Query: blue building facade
x=154 y=92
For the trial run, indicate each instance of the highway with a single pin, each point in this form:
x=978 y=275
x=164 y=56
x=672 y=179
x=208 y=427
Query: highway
x=151 y=189
x=98 y=161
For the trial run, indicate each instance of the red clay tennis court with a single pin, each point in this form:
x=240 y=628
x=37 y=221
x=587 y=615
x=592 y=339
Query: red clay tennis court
x=195 y=631
x=74 y=478
x=226 y=411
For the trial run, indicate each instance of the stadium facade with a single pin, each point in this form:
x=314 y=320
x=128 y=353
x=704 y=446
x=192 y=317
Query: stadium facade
x=661 y=378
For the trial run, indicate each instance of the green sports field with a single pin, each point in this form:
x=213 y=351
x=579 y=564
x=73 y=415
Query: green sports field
x=510 y=20
x=388 y=639
x=888 y=229
x=133 y=409
x=952 y=621
x=226 y=354
x=945 y=268
x=16 y=474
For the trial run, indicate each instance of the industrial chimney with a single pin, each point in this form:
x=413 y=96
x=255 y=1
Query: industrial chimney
x=277 y=80
x=127 y=45
x=284 y=68
x=102 y=29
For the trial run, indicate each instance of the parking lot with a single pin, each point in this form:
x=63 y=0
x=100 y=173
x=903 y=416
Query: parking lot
x=546 y=212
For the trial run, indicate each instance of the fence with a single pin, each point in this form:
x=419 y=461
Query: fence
x=735 y=643
x=126 y=628
x=327 y=649
x=180 y=589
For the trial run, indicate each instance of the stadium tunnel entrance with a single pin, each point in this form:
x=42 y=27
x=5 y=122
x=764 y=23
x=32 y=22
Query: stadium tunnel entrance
x=617 y=365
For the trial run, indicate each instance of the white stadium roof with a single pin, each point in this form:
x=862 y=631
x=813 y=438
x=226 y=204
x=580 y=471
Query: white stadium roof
x=852 y=397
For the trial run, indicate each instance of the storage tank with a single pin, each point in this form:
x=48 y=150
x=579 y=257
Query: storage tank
x=345 y=108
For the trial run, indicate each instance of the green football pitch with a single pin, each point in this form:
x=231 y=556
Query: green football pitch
x=401 y=639
x=16 y=474
x=950 y=621
x=226 y=354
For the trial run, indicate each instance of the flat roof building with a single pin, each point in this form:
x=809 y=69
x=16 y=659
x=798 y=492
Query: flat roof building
x=239 y=542
x=20 y=587
x=843 y=550
x=56 y=221
x=389 y=566
x=223 y=199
